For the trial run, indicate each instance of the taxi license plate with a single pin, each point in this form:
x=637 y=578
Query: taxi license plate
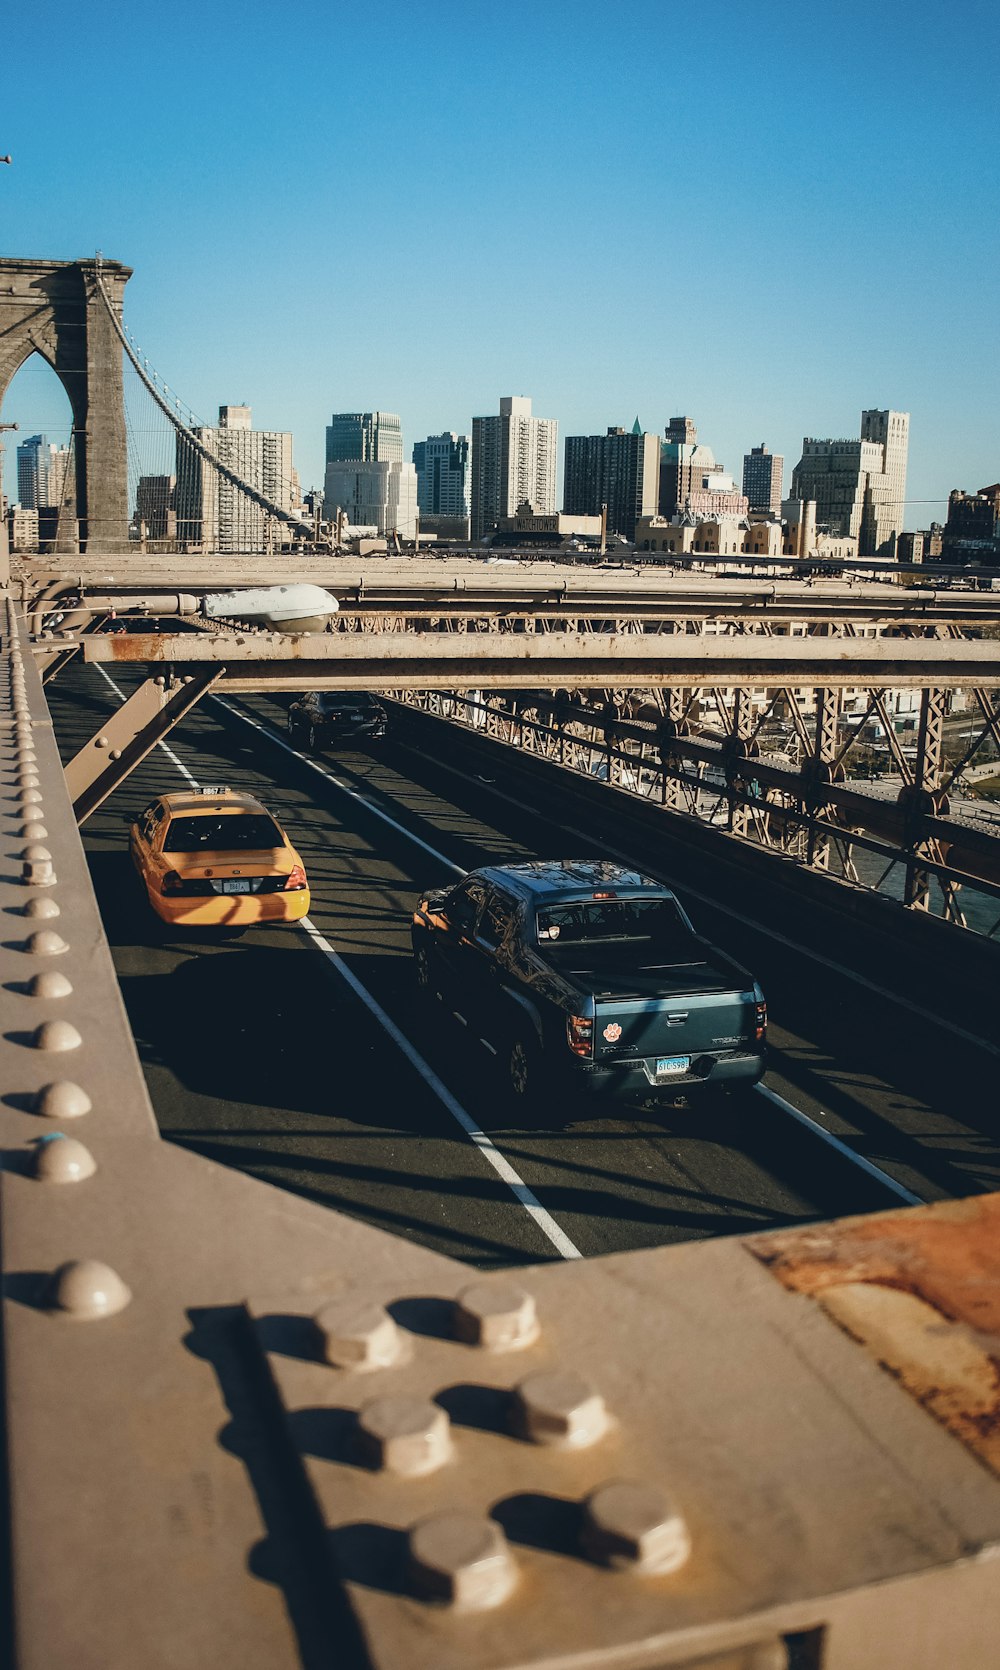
x=668 y=1065
x=236 y=887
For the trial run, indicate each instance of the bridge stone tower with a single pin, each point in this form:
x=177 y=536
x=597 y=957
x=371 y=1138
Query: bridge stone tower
x=55 y=309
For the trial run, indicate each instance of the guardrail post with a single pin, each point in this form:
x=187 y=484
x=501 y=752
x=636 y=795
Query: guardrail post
x=924 y=796
x=824 y=759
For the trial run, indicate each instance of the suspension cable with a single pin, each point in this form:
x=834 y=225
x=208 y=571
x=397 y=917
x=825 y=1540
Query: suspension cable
x=188 y=434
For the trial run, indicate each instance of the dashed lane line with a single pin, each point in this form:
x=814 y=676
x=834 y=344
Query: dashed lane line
x=839 y=1147
x=522 y=1194
x=345 y=788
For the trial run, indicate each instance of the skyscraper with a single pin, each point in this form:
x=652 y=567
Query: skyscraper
x=32 y=466
x=366 y=477
x=211 y=511
x=513 y=463
x=762 y=473
x=690 y=478
x=859 y=486
x=373 y=493
x=155 y=511
x=444 y=474
x=620 y=469
x=364 y=437
x=41 y=473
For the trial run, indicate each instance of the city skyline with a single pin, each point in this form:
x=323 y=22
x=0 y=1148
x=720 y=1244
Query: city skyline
x=602 y=289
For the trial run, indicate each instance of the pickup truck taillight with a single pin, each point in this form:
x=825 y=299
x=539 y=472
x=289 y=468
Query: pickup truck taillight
x=760 y=1021
x=296 y=880
x=580 y=1034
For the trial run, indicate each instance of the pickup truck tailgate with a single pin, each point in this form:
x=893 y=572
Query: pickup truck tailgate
x=685 y=1025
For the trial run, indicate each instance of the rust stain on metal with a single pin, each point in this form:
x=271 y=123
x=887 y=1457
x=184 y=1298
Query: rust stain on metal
x=920 y=1290
x=135 y=646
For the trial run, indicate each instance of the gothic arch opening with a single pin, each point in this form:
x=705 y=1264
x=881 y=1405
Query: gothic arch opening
x=39 y=459
x=57 y=310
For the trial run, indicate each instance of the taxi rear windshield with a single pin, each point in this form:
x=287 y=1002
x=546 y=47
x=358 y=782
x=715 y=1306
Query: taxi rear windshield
x=653 y=923
x=232 y=832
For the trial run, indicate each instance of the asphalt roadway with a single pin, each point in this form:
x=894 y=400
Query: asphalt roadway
x=301 y=1055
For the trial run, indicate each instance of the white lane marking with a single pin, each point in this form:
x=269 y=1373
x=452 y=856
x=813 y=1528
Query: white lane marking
x=479 y=1139
x=726 y=910
x=168 y=751
x=345 y=788
x=522 y=1194
x=840 y=1147
x=803 y=1119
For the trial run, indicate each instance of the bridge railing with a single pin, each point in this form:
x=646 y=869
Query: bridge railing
x=896 y=835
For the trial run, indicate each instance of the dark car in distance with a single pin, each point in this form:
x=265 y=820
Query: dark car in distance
x=322 y=717
x=589 y=976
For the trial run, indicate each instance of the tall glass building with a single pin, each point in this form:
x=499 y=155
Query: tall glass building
x=444 y=474
x=364 y=438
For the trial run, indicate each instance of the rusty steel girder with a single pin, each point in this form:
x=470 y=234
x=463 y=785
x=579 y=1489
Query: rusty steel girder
x=550 y=660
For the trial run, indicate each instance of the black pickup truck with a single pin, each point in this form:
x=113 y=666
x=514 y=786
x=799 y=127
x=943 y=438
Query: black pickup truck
x=591 y=975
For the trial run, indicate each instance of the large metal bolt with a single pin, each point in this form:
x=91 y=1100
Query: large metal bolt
x=404 y=1435
x=497 y=1315
x=40 y=909
x=46 y=943
x=63 y=1100
x=56 y=1037
x=60 y=1159
x=49 y=984
x=559 y=1407
x=354 y=1333
x=634 y=1527
x=34 y=831
x=87 y=1289
x=461 y=1560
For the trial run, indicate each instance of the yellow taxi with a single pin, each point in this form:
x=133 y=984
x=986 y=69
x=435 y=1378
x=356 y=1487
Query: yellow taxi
x=215 y=858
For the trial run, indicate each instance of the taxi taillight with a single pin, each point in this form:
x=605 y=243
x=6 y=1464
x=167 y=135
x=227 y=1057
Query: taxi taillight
x=296 y=880
x=760 y=1021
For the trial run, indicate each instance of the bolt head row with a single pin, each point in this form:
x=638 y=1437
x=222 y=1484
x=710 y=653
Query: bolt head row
x=464 y=1560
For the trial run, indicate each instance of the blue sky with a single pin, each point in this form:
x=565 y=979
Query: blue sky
x=765 y=216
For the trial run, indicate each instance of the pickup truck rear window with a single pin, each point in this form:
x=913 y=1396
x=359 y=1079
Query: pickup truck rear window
x=651 y=925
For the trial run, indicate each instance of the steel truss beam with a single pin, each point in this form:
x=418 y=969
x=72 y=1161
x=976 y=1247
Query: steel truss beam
x=805 y=813
x=458 y=586
x=441 y=660
x=128 y=735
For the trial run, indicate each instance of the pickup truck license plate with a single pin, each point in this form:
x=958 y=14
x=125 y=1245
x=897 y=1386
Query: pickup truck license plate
x=668 y=1065
x=236 y=887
